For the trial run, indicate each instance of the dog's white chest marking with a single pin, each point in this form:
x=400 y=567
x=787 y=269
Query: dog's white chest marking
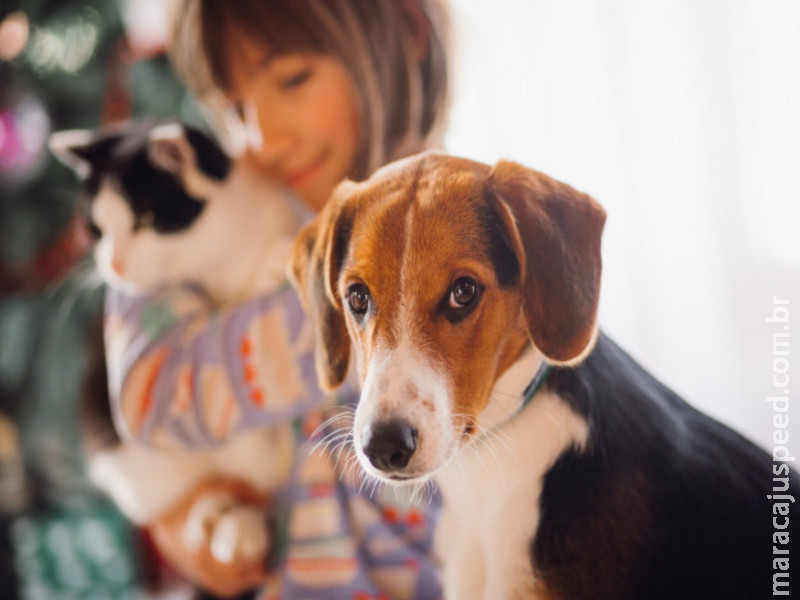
x=491 y=493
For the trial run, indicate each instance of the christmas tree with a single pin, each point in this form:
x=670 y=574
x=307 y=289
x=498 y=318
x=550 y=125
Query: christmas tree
x=63 y=65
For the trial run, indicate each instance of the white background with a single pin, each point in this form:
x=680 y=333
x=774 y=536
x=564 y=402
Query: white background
x=683 y=119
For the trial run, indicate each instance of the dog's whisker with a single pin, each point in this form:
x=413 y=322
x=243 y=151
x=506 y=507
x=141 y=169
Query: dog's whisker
x=374 y=487
x=493 y=452
x=345 y=449
x=325 y=426
x=458 y=458
x=338 y=447
x=349 y=463
x=330 y=421
x=330 y=441
x=479 y=456
x=341 y=413
x=329 y=448
x=414 y=494
x=420 y=495
x=333 y=451
x=352 y=467
x=366 y=481
x=373 y=483
x=498 y=435
x=328 y=436
x=504 y=394
x=335 y=435
x=432 y=489
x=344 y=470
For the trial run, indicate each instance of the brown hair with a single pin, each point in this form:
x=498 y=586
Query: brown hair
x=396 y=51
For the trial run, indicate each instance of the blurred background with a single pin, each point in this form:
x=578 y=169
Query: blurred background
x=63 y=65
x=682 y=118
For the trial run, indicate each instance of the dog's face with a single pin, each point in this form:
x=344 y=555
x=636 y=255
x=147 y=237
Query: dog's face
x=439 y=272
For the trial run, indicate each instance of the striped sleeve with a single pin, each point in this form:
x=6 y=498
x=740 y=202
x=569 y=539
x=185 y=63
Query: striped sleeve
x=184 y=374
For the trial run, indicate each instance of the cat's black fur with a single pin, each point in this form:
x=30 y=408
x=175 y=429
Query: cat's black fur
x=156 y=197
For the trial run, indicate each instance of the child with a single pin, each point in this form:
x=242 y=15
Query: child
x=310 y=92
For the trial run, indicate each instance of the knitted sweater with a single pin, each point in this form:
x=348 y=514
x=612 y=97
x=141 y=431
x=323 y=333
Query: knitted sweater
x=183 y=374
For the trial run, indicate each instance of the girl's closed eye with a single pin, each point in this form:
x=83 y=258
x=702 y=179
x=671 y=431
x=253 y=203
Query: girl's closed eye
x=290 y=71
x=296 y=80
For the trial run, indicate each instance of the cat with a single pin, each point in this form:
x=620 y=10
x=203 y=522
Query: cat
x=166 y=206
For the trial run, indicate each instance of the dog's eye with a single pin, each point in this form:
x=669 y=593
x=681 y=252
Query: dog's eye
x=464 y=292
x=358 y=298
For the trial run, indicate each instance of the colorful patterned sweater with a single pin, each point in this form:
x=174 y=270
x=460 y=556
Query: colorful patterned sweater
x=184 y=374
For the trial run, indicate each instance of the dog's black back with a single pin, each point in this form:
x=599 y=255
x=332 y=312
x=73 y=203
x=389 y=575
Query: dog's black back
x=664 y=502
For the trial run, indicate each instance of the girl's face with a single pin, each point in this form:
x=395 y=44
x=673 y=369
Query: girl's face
x=300 y=115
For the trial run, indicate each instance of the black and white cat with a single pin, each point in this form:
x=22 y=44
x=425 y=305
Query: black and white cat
x=167 y=206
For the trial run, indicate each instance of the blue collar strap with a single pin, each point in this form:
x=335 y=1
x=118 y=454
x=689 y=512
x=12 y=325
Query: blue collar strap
x=536 y=383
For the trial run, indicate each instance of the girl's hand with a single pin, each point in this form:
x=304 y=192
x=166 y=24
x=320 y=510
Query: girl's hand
x=197 y=564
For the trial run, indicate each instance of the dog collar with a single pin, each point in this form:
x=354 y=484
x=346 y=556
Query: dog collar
x=531 y=390
x=536 y=383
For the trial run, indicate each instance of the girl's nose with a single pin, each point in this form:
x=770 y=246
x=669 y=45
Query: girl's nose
x=268 y=137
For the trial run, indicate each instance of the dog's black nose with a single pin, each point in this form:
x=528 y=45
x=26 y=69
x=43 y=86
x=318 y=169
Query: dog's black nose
x=390 y=445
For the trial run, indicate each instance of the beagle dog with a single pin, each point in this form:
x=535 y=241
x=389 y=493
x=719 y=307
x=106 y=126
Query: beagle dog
x=467 y=296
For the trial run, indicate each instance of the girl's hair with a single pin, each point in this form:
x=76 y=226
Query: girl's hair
x=395 y=50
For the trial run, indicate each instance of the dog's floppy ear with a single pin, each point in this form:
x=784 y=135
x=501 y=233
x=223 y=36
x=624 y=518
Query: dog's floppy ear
x=555 y=232
x=314 y=268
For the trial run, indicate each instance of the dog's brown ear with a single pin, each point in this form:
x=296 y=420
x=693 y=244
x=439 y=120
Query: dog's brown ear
x=314 y=267
x=555 y=232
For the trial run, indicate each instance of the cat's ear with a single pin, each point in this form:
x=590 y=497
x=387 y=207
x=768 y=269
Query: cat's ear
x=169 y=149
x=82 y=150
